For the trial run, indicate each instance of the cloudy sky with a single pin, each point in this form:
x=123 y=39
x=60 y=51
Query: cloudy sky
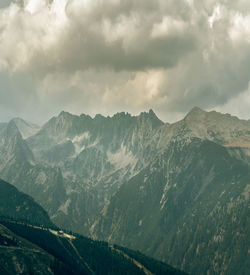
x=105 y=56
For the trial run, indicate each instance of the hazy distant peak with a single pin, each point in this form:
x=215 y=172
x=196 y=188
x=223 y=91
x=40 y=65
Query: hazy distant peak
x=10 y=134
x=25 y=128
x=20 y=120
x=16 y=147
x=63 y=119
x=12 y=129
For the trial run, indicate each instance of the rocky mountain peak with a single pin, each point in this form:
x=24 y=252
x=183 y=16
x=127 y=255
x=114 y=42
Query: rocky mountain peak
x=59 y=125
x=195 y=113
x=99 y=117
x=121 y=115
x=13 y=144
x=64 y=114
x=152 y=113
x=65 y=117
x=150 y=118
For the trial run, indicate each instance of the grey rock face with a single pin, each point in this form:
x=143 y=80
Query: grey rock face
x=188 y=207
x=96 y=156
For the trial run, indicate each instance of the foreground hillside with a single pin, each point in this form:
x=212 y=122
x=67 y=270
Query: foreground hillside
x=27 y=249
x=31 y=244
x=20 y=206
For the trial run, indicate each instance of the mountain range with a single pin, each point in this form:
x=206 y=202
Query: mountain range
x=178 y=192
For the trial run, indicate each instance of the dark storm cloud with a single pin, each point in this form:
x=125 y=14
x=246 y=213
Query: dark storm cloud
x=117 y=35
x=4 y=3
x=124 y=54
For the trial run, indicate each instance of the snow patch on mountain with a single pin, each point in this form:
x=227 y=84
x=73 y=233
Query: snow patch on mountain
x=78 y=142
x=78 y=149
x=80 y=138
x=122 y=158
x=64 y=207
x=164 y=195
x=41 y=178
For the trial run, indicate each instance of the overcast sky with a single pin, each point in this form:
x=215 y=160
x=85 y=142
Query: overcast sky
x=106 y=56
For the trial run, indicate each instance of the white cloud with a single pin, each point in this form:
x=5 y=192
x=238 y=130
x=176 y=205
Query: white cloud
x=240 y=28
x=215 y=16
x=168 y=26
x=34 y=6
x=28 y=32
